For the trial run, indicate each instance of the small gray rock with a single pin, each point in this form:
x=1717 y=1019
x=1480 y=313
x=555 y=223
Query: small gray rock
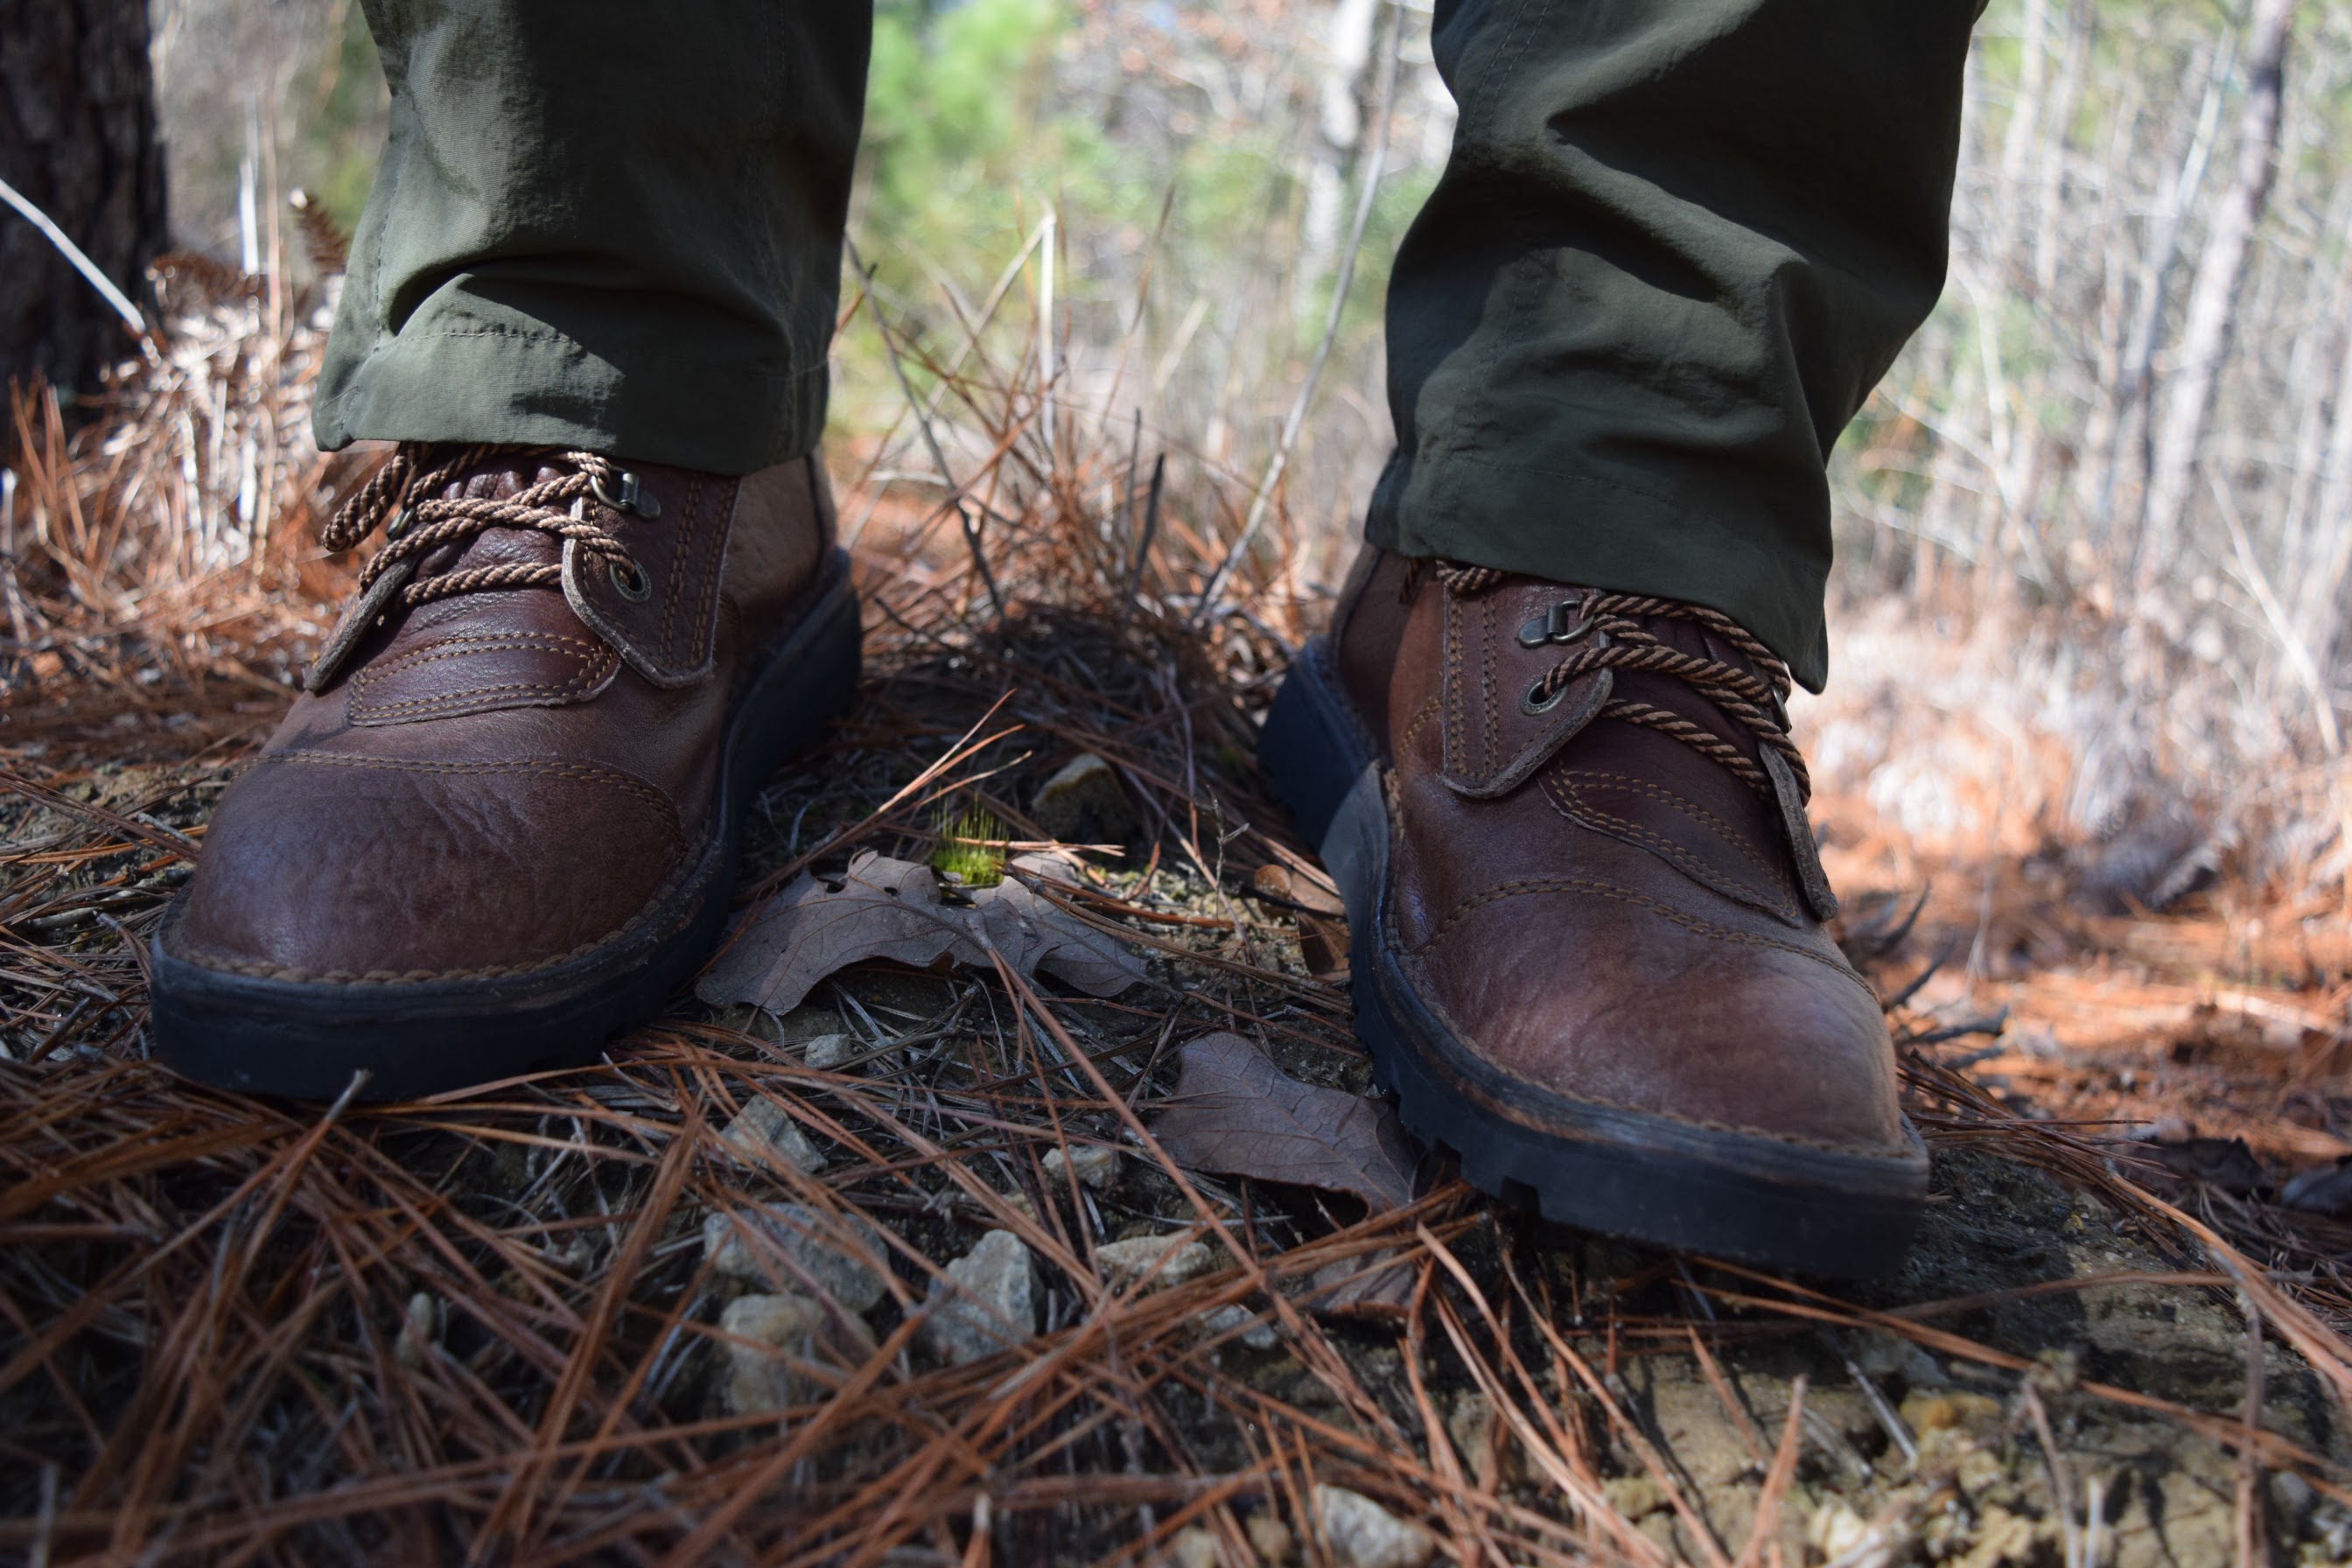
x=1885 y=1355
x=1193 y=1547
x=1086 y=804
x=827 y=1052
x=1272 y=1539
x=780 y=1330
x=1124 y=1262
x=1096 y=1164
x=1363 y=1535
x=419 y=1332
x=765 y=1129
x=793 y=1247
x=1256 y=1335
x=983 y=1302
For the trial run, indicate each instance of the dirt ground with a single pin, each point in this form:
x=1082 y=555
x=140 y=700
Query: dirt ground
x=236 y=1330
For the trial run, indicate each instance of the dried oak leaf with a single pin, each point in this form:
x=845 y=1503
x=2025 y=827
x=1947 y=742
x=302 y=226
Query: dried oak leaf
x=1322 y=918
x=1297 y=890
x=1237 y=1114
x=887 y=909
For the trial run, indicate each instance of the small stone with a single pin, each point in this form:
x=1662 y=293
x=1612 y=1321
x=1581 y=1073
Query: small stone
x=1244 y=1325
x=765 y=1130
x=1472 y=1426
x=1363 y=1535
x=1635 y=1497
x=1271 y=1538
x=1097 y=1164
x=1124 y=1262
x=983 y=1302
x=2002 y=1537
x=2054 y=1372
x=764 y=1243
x=780 y=1330
x=827 y=1052
x=1928 y=1411
x=1885 y=1355
x=1836 y=1531
x=1979 y=1471
x=417 y=1335
x=1084 y=804
x=1192 y=1547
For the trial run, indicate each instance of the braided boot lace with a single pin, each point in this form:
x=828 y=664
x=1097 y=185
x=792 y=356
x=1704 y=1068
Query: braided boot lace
x=414 y=528
x=1603 y=630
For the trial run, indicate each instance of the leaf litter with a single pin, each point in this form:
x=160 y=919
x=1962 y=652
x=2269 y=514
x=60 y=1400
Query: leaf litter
x=488 y=1326
x=885 y=909
x=1236 y=1113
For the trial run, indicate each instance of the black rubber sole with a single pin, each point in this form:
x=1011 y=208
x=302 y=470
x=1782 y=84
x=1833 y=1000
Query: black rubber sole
x=1597 y=1168
x=307 y=1039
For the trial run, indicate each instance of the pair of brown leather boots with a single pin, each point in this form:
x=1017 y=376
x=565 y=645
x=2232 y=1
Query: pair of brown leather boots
x=500 y=824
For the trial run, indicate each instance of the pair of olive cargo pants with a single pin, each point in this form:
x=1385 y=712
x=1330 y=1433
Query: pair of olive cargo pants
x=1677 y=243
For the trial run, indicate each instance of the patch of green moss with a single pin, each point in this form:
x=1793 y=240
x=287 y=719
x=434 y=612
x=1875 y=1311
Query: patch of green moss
x=970 y=847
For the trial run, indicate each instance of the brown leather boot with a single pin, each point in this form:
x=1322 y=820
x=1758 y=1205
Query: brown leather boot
x=1586 y=913
x=500 y=823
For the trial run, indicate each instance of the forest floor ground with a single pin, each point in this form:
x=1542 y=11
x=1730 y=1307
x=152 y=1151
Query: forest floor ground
x=507 y=1324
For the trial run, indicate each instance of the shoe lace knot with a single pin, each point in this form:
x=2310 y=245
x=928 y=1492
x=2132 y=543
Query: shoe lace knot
x=405 y=499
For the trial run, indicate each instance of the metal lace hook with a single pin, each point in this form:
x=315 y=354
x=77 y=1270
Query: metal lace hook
x=1565 y=622
x=633 y=496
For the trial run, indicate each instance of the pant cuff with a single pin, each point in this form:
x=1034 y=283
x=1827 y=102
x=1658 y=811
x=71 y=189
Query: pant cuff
x=1576 y=527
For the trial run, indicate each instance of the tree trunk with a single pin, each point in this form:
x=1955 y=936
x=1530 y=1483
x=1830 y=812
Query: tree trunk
x=78 y=141
x=2213 y=298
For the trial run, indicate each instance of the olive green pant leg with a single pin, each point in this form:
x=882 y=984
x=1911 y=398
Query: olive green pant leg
x=602 y=224
x=1676 y=244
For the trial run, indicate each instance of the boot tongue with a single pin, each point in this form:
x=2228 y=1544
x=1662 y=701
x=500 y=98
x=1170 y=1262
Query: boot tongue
x=1623 y=775
x=1732 y=801
x=1508 y=629
x=374 y=627
x=1668 y=692
x=499 y=476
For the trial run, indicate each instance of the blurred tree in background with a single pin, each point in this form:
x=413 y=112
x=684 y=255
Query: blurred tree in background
x=78 y=141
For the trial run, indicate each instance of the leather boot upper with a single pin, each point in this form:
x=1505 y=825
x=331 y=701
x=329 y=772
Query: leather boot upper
x=507 y=751
x=1601 y=876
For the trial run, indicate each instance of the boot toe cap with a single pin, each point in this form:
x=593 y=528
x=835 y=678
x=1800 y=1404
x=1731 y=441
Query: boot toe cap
x=1660 y=1014
x=332 y=868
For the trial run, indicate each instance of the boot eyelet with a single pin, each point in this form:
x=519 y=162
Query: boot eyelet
x=629 y=581
x=633 y=496
x=399 y=523
x=1535 y=701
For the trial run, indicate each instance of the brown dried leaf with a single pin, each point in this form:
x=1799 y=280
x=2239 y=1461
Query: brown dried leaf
x=889 y=908
x=1323 y=948
x=1237 y=1114
x=1290 y=889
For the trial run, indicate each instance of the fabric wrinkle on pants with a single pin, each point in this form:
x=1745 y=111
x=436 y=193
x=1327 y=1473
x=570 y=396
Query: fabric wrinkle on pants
x=603 y=227
x=1675 y=244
